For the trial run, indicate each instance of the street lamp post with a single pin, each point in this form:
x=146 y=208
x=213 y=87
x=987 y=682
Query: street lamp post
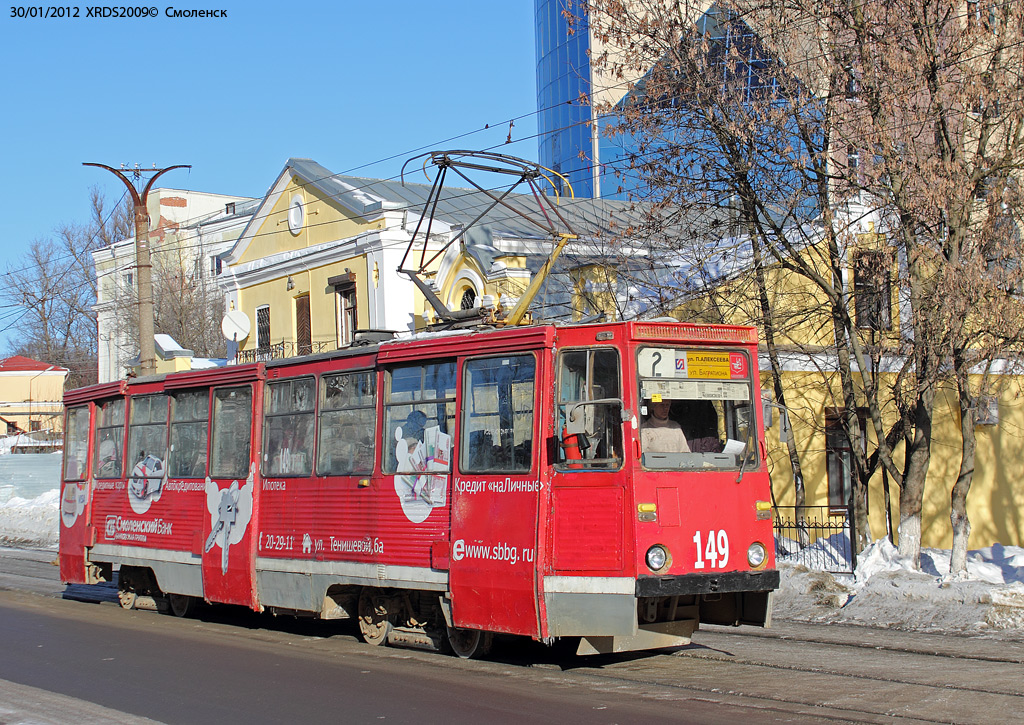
x=147 y=351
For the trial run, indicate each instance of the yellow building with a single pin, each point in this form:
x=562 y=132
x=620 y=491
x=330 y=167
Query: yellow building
x=814 y=399
x=320 y=259
x=31 y=395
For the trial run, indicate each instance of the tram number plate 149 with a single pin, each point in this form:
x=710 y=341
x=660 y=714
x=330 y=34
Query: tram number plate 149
x=712 y=549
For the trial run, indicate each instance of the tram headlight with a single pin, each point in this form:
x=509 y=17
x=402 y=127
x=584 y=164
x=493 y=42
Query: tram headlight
x=657 y=557
x=756 y=555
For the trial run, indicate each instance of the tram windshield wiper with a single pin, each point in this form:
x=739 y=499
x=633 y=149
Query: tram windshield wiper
x=744 y=456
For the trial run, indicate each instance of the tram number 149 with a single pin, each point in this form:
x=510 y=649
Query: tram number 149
x=715 y=551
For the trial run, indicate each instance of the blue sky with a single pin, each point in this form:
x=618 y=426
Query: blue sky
x=345 y=83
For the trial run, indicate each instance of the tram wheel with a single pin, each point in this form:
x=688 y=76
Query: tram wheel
x=469 y=644
x=126 y=598
x=181 y=604
x=374 y=624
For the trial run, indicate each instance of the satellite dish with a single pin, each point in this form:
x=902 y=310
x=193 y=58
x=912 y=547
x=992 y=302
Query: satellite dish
x=235 y=325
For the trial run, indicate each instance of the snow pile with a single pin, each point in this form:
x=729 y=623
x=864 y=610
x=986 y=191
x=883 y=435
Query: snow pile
x=29 y=498
x=886 y=591
x=30 y=522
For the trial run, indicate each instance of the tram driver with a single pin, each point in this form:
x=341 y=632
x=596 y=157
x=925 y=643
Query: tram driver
x=661 y=434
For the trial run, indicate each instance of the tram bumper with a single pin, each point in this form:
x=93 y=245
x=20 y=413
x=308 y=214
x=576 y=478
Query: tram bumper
x=726 y=598
x=620 y=614
x=722 y=583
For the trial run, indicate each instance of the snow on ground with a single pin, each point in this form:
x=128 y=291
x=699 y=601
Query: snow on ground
x=29 y=522
x=885 y=591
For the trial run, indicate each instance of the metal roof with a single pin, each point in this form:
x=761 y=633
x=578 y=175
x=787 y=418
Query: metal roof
x=458 y=206
x=20 y=363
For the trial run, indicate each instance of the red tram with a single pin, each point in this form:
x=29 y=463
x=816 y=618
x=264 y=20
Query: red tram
x=601 y=481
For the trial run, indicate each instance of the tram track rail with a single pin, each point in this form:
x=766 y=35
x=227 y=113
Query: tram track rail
x=913 y=678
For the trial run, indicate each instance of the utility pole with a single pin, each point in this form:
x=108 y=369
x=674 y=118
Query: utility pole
x=147 y=353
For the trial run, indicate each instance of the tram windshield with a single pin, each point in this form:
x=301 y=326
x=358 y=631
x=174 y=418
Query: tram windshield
x=696 y=410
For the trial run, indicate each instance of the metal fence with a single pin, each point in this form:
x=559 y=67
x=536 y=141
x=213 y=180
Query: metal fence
x=279 y=351
x=816 y=536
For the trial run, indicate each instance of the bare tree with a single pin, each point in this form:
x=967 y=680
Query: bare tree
x=55 y=284
x=938 y=113
x=187 y=304
x=831 y=114
x=110 y=227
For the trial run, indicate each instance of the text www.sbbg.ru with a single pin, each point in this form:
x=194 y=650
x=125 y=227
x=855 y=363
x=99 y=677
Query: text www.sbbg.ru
x=492 y=552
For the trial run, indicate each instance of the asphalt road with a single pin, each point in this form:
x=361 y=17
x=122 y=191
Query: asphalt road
x=228 y=665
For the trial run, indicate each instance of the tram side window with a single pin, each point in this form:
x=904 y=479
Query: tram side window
x=497 y=424
x=76 y=443
x=288 y=428
x=231 y=432
x=109 y=440
x=189 y=422
x=585 y=379
x=419 y=417
x=147 y=445
x=147 y=428
x=347 y=420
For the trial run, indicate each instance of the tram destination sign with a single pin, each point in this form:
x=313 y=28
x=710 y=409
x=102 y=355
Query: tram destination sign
x=657 y=362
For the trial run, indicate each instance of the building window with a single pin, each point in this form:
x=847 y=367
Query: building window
x=296 y=214
x=853 y=164
x=345 y=306
x=303 y=325
x=839 y=457
x=263 y=328
x=872 y=291
x=852 y=84
x=738 y=56
x=346 y=303
x=468 y=300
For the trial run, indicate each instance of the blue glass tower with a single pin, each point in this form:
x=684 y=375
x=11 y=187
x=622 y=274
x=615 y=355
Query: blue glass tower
x=563 y=79
x=571 y=140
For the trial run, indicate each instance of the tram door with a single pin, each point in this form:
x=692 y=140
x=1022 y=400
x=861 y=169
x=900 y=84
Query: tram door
x=495 y=498
x=588 y=493
x=74 y=499
x=227 y=529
